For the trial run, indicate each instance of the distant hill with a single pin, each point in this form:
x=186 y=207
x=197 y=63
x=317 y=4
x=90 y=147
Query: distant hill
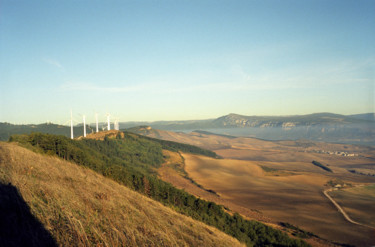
x=235 y=120
x=7 y=129
x=172 y=125
x=240 y=121
x=365 y=116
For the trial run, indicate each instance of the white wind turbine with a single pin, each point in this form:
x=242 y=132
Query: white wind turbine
x=84 y=126
x=71 y=125
x=97 y=123
x=108 y=121
x=116 y=125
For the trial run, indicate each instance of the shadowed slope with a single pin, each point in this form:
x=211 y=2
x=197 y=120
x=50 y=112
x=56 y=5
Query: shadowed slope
x=18 y=227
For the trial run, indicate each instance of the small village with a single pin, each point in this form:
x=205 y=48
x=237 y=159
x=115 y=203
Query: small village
x=338 y=153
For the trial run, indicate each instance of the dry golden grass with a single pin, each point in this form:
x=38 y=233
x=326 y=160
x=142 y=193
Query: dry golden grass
x=81 y=208
x=102 y=134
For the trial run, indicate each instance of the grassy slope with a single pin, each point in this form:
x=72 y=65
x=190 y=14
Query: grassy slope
x=82 y=207
x=130 y=161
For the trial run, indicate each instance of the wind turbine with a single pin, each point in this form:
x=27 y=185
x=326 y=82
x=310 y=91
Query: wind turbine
x=109 y=123
x=97 y=123
x=116 y=125
x=71 y=125
x=84 y=126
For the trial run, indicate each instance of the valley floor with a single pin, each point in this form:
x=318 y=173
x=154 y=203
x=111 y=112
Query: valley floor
x=295 y=198
x=277 y=182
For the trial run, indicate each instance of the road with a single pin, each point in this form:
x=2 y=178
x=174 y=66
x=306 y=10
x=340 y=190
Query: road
x=346 y=216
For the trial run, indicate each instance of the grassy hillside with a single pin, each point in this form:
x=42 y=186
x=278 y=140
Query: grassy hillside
x=131 y=160
x=82 y=208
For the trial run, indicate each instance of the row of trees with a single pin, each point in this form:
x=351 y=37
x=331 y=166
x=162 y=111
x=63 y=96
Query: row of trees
x=132 y=161
x=318 y=164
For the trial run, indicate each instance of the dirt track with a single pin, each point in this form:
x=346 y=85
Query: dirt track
x=341 y=210
x=294 y=197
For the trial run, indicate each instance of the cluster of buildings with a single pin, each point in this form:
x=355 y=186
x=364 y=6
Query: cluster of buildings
x=339 y=153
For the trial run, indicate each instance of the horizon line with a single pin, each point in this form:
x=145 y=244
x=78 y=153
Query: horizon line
x=180 y=120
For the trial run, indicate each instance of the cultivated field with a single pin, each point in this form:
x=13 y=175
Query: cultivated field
x=278 y=180
x=295 y=198
x=358 y=203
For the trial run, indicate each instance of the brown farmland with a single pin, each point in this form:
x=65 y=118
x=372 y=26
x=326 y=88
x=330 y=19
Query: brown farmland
x=358 y=202
x=296 y=198
x=278 y=180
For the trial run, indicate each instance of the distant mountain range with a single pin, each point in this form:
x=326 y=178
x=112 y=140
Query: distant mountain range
x=365 y=116
x=235 y=120
x=7 y=129
x=356 y=129
x=240 y=121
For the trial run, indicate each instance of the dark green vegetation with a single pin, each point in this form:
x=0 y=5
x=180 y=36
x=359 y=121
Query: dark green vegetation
x=338 y=182
x=268 y=169
x=321 y=166
x=132 y=161
x=361 y=173
x=296 y=231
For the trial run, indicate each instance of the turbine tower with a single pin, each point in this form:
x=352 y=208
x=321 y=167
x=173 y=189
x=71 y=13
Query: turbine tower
x=84 y=126
x=109 y=123
x=71 y=125
x=116 y=125
x=97 y=124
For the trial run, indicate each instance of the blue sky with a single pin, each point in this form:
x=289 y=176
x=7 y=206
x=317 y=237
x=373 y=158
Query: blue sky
x=176 y=60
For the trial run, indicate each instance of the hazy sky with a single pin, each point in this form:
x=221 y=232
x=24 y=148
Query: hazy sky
x=176 y=60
